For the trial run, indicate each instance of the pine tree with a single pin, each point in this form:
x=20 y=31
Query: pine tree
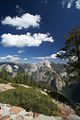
x=72 y=54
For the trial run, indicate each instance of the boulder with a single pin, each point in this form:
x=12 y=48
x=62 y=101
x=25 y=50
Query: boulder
x=7 y=117
x=16 y=110
x=19 y=117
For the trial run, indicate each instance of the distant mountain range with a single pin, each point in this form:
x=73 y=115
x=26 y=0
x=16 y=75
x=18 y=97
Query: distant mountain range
x=29 y=68
x=46 y=72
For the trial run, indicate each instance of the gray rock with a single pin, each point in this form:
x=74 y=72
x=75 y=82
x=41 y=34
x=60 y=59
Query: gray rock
x=74 y=117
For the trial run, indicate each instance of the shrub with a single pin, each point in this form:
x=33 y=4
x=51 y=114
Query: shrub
x=30 y=99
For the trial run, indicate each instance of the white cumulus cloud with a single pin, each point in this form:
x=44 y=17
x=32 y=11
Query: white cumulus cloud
x=27 y=39
x=25 y=21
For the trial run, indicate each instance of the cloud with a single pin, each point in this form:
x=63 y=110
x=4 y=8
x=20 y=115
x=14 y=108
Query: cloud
x=23 y=22
x=70 y=3
x=21 y=51
x=19 y=10
x=25 y=59
x=60 y=52
x=44 y=1
x=67 y=3
x=77 y=4
x=9 y=40
x=53 y=56
x=63 y=3
x=17 y=7
x=10 y=58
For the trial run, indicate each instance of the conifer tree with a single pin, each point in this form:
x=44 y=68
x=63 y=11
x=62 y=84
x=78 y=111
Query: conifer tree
x=72 y=54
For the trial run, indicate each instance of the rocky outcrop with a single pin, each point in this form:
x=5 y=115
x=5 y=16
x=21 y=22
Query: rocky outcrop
x=8 y=112
x=4 y=87
x=11 y=69
x=50 y=76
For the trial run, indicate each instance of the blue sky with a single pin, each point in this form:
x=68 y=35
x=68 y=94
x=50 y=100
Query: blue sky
x=32 y=31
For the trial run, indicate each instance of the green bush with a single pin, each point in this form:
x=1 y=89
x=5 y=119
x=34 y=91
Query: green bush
x=30 y=99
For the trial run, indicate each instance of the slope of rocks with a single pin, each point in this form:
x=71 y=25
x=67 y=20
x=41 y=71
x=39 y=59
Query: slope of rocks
x=8 y=112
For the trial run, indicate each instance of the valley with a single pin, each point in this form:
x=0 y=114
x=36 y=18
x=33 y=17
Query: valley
x=37 y=88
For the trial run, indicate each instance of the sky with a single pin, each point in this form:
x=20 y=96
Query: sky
x=35 y=30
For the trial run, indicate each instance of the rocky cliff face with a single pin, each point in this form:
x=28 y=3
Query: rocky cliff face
x=8 y=112
x=45 y=72
x=41 y=72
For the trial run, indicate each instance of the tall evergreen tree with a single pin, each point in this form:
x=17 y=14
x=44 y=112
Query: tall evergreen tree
x=72 y=54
